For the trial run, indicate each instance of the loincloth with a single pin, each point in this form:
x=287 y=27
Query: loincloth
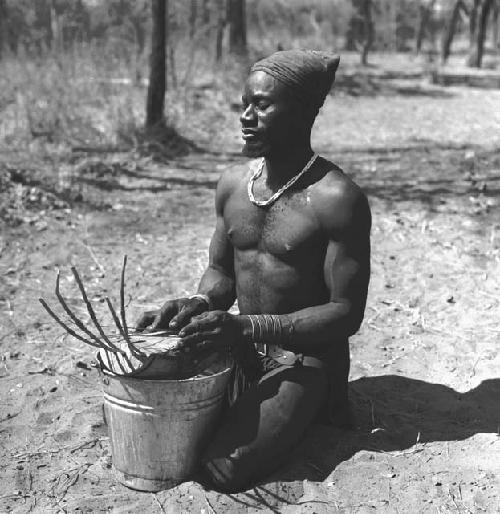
x=252 y=364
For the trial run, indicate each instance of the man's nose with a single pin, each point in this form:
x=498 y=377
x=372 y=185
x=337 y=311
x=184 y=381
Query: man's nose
x=248 y=116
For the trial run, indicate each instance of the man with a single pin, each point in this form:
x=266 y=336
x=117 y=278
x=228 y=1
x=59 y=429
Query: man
x=292 y=245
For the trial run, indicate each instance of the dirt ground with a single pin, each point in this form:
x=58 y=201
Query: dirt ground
x=425 y=381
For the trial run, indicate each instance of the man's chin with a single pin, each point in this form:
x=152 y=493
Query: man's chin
x=254 y=150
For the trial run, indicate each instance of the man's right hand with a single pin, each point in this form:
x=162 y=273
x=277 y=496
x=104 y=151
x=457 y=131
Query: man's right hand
x=173 y=315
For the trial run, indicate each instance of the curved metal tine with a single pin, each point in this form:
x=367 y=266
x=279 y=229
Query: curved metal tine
x=110 y=363
x=69 y=330
x=102 y=363
x=122 y=301
x=132 y=347
x=90 y=309
x=81 y=326
x=135 y=351
x=71 y=314
x=118 y=357
x=109 y=366
x=118 y=361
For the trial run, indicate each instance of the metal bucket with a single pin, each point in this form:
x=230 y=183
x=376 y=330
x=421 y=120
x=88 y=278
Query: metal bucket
x=158 y=428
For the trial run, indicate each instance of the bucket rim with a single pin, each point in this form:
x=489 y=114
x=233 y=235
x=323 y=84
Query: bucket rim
x=165 y=380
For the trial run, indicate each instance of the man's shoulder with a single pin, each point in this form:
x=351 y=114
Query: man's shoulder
x=335 y=186
x=235 y=174
x=339 y=200
x=231 y=179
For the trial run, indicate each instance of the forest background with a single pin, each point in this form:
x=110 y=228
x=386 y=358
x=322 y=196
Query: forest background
x=75 y=71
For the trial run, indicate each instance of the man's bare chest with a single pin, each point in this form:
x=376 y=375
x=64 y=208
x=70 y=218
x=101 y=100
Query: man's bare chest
x=287 y=228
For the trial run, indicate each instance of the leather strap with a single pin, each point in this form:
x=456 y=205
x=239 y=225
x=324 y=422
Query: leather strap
x=284 y=357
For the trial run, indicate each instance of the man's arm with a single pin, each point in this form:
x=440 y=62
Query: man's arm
x=217 y=282
x=347 y=224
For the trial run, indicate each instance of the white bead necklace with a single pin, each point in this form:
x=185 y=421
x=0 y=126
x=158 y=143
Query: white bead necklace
x=258 y=172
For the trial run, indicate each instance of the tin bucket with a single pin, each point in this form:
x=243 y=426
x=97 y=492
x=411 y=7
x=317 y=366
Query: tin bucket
x=158 y=428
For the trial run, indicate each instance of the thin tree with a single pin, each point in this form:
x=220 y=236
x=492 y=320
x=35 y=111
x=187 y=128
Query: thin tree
x=477 y=44
x=368 y=29
x=494 y=25
x=425 y=12
x=193 y=16
x=205 y=12
x=236 y=15
x=3 y=27
x=473 y=20
x=221 y=25
x=155 y=103
x=43 y=24
x=361 y=30
x=451 y=27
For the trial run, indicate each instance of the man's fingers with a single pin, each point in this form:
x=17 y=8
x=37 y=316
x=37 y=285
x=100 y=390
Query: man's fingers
x=184 y=316
x=198 y=324
x=164 y=315
x=196 y=338
x=145 y=320
x=173 y=314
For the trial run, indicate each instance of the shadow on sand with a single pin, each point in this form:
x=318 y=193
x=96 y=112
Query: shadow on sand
x=425 y=172
x=403 y=410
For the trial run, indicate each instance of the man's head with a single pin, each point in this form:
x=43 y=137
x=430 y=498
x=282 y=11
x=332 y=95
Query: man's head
x=281 y=99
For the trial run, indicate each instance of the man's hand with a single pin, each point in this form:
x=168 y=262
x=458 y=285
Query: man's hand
x=174 y=314
x=213 y=330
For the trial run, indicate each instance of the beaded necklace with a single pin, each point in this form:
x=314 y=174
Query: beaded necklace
x=258 y=172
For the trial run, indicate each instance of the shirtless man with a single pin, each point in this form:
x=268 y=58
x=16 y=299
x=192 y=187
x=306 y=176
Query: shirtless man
x=296 y=256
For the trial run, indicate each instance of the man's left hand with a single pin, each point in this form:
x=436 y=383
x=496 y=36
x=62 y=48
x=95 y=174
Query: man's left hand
x=212 y=330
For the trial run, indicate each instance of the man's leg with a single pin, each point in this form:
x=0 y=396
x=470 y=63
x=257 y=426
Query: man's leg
x=265 y=424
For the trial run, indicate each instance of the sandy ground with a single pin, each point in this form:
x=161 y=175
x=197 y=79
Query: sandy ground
x=425 y=384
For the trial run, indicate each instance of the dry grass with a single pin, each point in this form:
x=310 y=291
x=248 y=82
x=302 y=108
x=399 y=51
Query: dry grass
x=91 y=97
x=85 y=98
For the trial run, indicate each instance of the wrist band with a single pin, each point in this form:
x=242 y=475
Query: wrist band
x=203 y=297
x=267 y=328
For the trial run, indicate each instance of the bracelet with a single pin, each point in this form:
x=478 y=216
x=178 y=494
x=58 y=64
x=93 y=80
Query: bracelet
x=267 y=328
x=202 y=297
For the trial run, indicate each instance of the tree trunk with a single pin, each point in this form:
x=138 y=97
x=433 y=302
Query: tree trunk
x=221 y=24
x=205 y=13
x=155 y=103
x=481 y=23
x=55 y=28
x=423 y=23
x=368 y=29
x=237 y=27
x=450 y=29
x=193 y=15
x=3 y=27
x=473 y=21
x=172 y=64
x=43 y=24
x=494 y=25
x=355 y=27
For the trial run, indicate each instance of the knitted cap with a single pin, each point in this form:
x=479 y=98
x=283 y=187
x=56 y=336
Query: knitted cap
x=309 y=74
